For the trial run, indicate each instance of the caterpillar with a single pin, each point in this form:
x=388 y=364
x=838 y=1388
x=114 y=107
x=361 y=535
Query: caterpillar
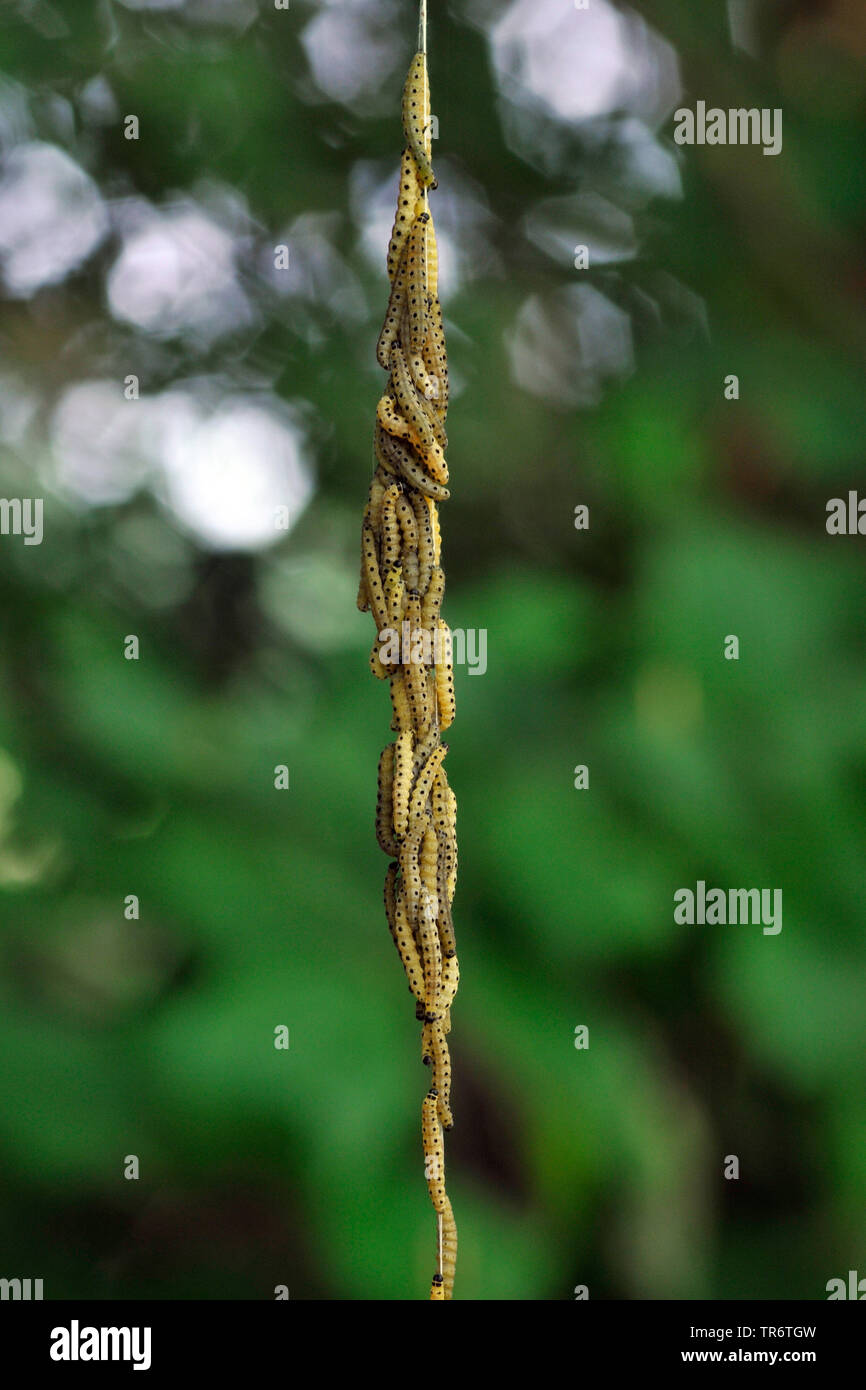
x=441 y=1062
x=402 y=585
x=444 y=862
x=445 y=677
x=402 y=714
x=406 y=521
x=437 y=534
x=407 y=949
x=423 y=787
x=410 y=871
x=416 y=104
x=415 y=298
x=434 y=1150
x=431 y=954
x=428 y=860
x=384 y=803
x=450 y=981
x=449 y=1246
x=435 y=355
x=402 y=781
x=413 y=417
x=407 y=198
x=433 y=597
x=373 y=579
x=426 y=543
x=393 y=316
x=395 y=595
x=390 y=418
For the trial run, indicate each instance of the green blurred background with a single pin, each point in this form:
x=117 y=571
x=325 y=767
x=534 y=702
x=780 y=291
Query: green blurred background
x=154 y=257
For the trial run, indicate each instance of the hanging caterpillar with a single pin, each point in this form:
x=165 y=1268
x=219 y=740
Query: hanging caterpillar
x=402 y=584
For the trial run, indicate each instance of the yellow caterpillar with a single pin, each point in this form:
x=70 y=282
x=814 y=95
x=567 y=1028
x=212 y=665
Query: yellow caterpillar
x=416 y=108
x=384 y=802
x=445 y=677
x=431 y=954
x=422 y=789
x=407 y=199
x=402 y=781
x=434 y=1150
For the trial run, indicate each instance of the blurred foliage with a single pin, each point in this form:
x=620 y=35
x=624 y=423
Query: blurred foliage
x=258 y=907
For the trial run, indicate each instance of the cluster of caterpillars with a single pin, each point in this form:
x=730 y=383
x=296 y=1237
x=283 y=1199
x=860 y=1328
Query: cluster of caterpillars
x=402 y=584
